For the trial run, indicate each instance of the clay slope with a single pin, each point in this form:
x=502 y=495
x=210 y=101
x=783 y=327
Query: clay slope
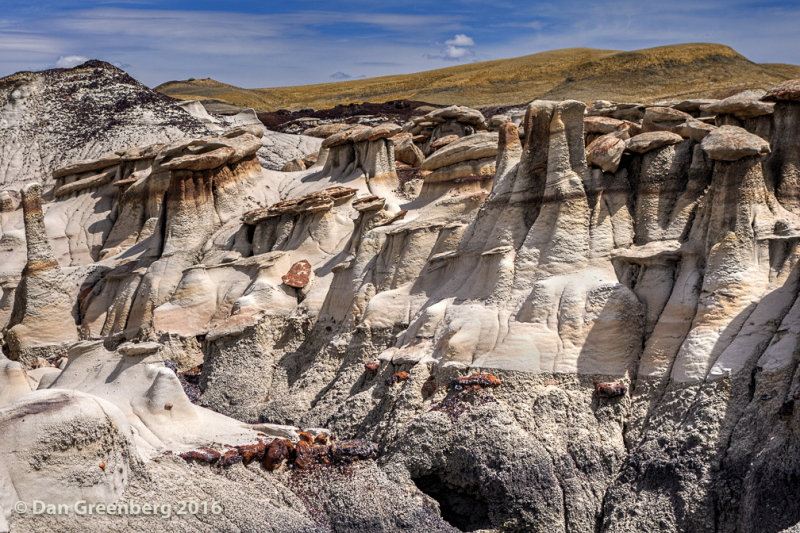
x=582 y=73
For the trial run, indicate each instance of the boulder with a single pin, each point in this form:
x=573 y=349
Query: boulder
x=743 y=105
x=605 y=152
x=693 y=105
x=694 y=129
x=472 y=147
x=665 y=114
x=294 y=165
x=498 y=120
x=730 y=143
x=601 y=124
x=464 y=114
x=345 y=136
x=441 y=142
x=645 y=142
x=786 y=91
x=6 y=202
x=326 y=130
x=406 y=151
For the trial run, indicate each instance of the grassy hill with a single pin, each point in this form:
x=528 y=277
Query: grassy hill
x=665 y=72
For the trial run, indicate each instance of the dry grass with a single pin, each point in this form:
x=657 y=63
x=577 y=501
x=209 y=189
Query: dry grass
x=587 y=74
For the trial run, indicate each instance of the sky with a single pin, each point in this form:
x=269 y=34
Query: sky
x=268 y=43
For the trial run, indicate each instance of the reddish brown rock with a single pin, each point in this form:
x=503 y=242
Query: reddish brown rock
x=278 y=452
x=372 y=366
x=299 y=275
x=252 y=452
x=604 y=389
x=230 y=457
x=203 y=455
x=665 y=114
x=397 y=377
x=474 y=381
x=429 y=387
x=303 y=454
x=306 y=437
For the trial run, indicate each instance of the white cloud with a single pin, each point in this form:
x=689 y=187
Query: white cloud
x=460 y=40
x=70 y=61
x=456 y=52
x=457 y=48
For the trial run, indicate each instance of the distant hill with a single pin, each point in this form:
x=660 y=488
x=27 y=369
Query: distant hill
x=665 y=72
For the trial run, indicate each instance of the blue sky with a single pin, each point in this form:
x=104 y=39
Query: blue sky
x=267 y=43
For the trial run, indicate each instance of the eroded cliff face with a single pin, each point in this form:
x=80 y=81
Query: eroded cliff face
x=637 y=315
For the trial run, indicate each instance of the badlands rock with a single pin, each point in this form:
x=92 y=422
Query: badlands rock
x=673 y=278
x=443 y=141
x=7 y=202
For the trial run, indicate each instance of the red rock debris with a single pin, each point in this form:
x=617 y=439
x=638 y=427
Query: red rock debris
x=306 y=437
x=604 y=389
x=302 y=455
x=203 y=455
x=474 y=381
x=298 y=275
x=397 y=377
x=278 y=451
x=252 y=452
x=372 y=366
x=429 y=387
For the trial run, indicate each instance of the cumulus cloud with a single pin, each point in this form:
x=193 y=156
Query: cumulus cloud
x=457 y=48
x=456 y=52
x=70 y=61
x=460 y=39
